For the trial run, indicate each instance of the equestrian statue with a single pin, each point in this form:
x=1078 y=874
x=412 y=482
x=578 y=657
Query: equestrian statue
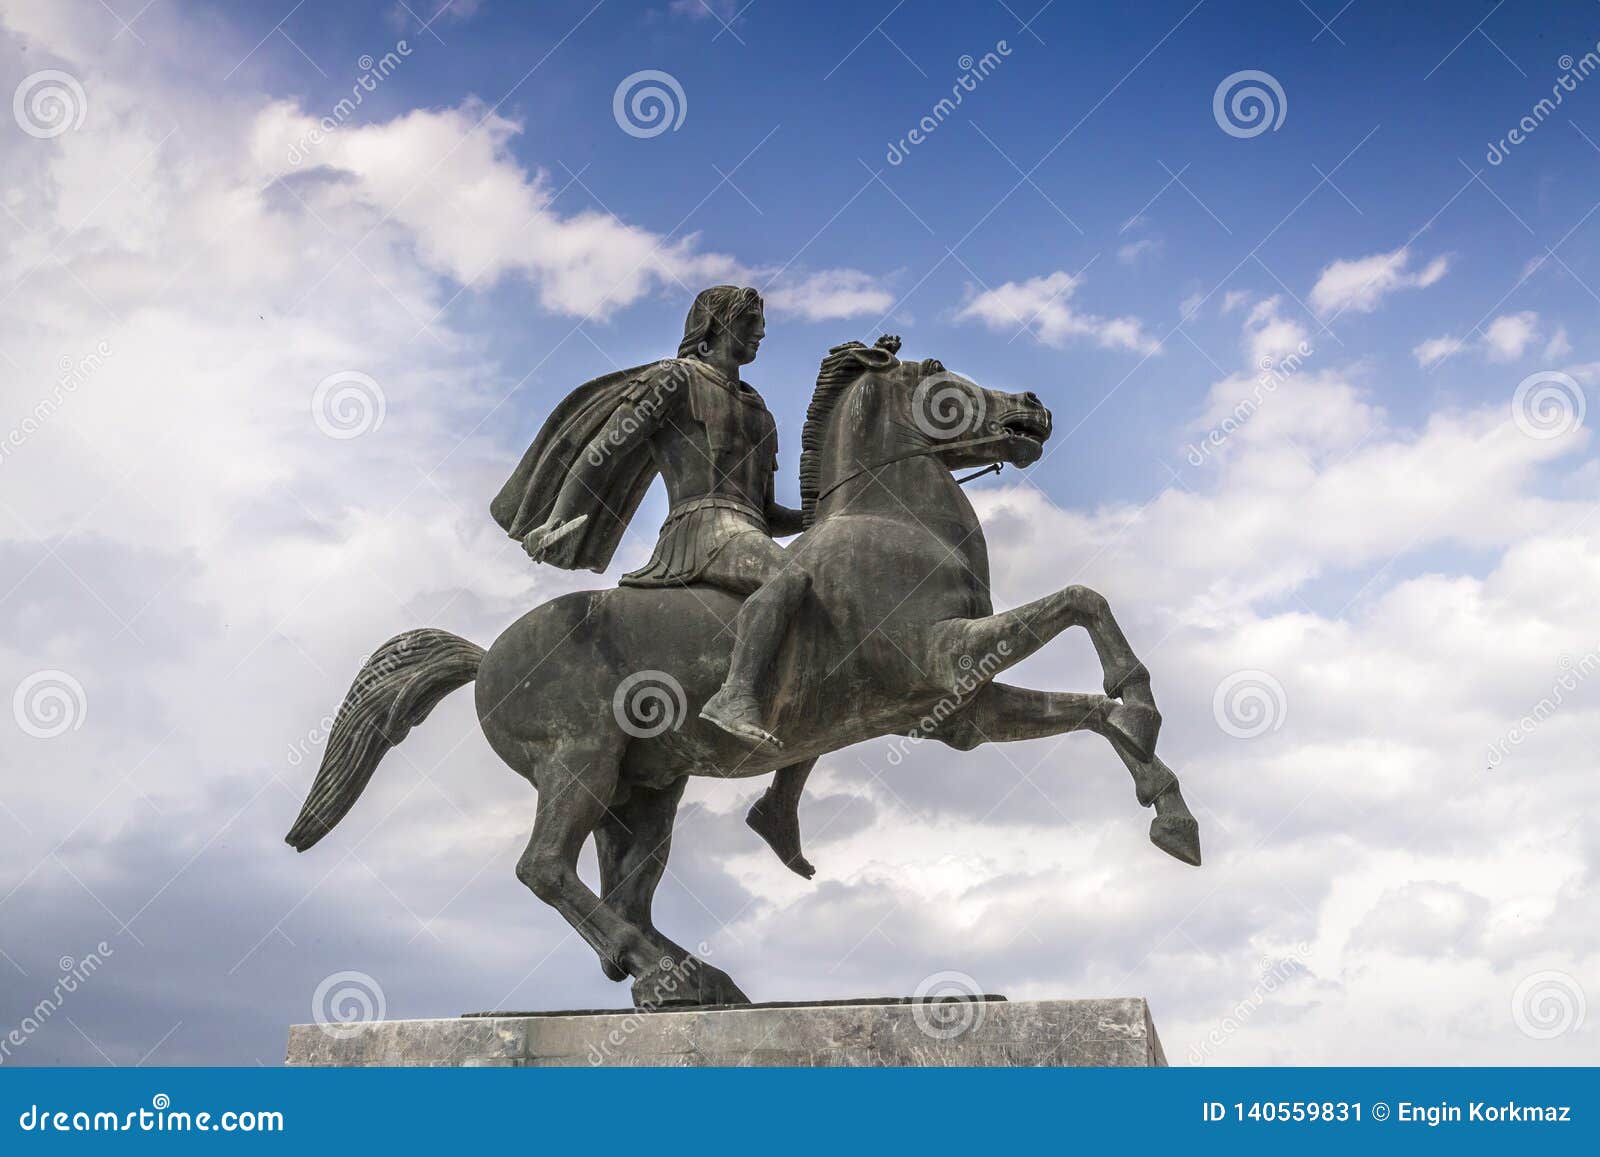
x=728 y=653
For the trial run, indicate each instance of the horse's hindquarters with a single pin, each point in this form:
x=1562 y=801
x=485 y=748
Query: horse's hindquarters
x=617 y=673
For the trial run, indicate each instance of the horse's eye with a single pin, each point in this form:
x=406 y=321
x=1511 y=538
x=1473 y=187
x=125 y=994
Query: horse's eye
x=934 y=366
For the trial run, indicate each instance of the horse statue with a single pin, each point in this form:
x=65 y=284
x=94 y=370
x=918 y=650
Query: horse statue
x=594 y=697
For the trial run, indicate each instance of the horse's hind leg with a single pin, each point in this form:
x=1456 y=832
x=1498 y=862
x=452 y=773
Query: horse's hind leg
x=995 y=642
x=575 y=789
x=633 y=841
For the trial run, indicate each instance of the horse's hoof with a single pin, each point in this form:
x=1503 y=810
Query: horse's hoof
x=1178 y=836
x=1137 y=725
x=687 y=983
x=613 y=970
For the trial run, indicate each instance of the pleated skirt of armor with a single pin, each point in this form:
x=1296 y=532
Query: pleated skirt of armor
x=690 y=538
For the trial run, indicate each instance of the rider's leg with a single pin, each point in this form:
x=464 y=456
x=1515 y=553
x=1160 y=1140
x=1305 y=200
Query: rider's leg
x=753 y=562
x=775 y=816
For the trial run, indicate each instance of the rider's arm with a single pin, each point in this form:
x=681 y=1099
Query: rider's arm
x=782 y=521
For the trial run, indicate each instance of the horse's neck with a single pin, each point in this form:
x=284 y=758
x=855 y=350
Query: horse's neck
x=872 y=475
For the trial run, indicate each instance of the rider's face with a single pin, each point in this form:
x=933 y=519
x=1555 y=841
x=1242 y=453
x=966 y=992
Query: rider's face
x=746 y=334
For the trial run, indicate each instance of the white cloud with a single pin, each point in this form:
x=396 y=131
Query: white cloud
x=1043 y=306
x=1130 y=253
x=1559 y=346
x=1509 y=335
x=1436 y=349
x=448 y=177
x=830 y=295
x=1506 y=339
x=1361 y=284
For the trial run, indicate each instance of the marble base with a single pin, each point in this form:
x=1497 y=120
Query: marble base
x=989 y=1032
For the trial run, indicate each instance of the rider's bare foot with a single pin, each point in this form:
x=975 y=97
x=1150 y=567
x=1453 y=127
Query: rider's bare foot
x=780 y=827
x=738 y=715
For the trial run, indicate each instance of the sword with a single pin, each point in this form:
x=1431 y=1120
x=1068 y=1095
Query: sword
x=562 y=531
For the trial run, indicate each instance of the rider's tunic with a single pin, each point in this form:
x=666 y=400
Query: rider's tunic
x=716 y=445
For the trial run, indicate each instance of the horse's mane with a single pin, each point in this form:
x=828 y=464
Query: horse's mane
x=839 y=370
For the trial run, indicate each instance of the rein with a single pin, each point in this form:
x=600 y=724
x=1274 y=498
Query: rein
x=917 y=453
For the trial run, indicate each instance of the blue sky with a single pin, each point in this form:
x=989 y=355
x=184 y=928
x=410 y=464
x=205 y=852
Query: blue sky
x=1368 y=606
x=1099 y=107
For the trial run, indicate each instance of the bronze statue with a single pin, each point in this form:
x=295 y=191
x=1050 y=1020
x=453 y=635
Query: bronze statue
x=892 y=631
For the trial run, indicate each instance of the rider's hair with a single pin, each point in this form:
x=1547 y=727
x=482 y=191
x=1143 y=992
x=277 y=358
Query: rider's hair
x=721 y=305
x=842 y=366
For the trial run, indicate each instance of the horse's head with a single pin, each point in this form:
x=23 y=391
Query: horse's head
x=871 y=408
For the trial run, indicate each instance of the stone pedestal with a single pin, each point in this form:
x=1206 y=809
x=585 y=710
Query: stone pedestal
x=990 y=1032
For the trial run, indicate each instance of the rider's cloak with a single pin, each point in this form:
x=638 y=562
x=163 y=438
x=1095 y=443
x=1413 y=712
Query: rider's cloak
x=528 y=497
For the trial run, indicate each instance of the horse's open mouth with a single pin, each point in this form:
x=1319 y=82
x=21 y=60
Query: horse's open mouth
x=1024 y=425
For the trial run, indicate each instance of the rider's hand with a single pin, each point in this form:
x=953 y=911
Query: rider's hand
x=543 y=546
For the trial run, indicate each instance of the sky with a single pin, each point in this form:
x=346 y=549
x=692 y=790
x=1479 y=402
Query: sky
x=286 y=289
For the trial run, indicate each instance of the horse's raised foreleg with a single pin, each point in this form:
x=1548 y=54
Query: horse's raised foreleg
x=994 y=642
x=572 y=804
x=999 y=713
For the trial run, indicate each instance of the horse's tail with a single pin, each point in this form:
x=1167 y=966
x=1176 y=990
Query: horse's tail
x=393 y=692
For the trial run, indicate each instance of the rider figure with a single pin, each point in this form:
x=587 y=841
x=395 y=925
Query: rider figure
x=711 y=437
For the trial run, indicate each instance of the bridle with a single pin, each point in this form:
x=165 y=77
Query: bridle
x=940 y=448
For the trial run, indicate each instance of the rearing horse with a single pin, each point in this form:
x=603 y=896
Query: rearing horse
x=594 y=697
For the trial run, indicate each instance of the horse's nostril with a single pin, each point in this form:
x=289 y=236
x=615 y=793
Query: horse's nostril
x=1034 y=398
